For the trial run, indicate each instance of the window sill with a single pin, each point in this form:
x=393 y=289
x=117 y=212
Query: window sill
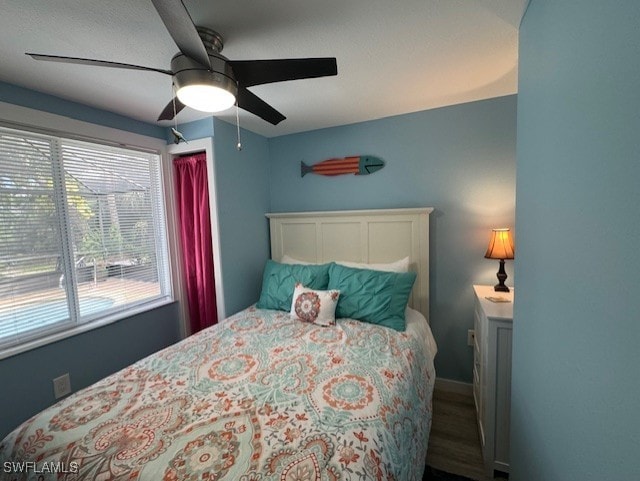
x=74 y=331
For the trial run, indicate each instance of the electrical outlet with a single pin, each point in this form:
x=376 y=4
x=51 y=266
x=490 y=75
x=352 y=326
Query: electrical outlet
x=61 y=386
x=471 y=337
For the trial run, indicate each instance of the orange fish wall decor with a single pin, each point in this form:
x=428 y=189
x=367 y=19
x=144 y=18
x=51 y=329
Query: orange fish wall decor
x=359 y=165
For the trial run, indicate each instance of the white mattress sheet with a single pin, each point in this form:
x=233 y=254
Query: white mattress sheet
x=417 y=324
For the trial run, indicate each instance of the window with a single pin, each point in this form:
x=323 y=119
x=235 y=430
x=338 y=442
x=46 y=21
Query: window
x=82 y=234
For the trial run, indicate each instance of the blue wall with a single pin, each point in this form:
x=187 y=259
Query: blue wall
x=576 y=389
x=48 y=103
x=460 y=160
x=242 y=180
x=27 y=378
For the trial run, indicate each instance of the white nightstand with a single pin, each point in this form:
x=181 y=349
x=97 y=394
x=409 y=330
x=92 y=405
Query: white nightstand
x=492 y=375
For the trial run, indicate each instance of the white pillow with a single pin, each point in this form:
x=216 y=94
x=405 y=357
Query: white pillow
x=290 y=260
x=398 y=266
x=401 y=265
x=317 y=307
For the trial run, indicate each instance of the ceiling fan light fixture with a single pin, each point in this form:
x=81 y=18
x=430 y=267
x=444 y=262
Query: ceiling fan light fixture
x=206 y=98
x=206 y=80
x=202 y=89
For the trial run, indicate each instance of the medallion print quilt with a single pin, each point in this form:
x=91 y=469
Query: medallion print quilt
x=260 y=397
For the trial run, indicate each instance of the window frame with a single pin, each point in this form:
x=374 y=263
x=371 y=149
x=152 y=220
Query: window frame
x=39 y=122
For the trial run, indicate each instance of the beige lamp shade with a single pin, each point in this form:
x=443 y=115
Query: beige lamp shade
x=500 y=245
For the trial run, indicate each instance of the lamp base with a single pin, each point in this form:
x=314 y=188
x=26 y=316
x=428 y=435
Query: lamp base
x=502 y=276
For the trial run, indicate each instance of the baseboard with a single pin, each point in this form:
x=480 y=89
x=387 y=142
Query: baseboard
x=450 y=385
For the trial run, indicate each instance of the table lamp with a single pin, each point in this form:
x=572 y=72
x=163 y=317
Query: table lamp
x=500 y=247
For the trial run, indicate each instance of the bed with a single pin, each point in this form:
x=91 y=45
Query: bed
x=263 y=395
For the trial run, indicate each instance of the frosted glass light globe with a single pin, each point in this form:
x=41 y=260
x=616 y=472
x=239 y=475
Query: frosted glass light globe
x=206 y=98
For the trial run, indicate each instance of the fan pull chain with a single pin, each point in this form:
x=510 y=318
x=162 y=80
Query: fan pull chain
x=239 y=146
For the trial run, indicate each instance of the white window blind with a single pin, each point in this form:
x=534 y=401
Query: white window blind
x=82 y=234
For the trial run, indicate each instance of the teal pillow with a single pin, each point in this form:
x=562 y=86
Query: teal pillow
x=373 y=296
x=279 y=282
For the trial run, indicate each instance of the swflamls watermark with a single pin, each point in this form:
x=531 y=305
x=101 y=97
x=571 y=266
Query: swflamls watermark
x=39 y=468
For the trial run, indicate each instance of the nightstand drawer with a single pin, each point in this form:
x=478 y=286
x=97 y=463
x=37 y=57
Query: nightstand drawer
x=477 y=399
x=476 y=386
x=478 y=326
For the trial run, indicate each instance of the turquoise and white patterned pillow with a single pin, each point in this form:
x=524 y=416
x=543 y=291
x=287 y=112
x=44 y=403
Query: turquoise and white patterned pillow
x=317 y=307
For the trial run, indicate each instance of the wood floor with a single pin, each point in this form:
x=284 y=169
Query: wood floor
x=454 y=445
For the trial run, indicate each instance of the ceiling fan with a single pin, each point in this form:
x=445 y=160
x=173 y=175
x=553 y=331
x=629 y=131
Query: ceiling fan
x=208 y=81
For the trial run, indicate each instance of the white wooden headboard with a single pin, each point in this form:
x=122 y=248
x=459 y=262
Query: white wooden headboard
x=371 y=236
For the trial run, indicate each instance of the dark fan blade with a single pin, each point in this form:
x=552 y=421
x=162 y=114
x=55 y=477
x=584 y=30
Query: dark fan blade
x=95 y=63
x=167 y=113
x=254 y=104
x=181 y=28
x=258 y=72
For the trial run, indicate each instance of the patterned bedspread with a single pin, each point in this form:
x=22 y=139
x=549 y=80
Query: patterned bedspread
x=260 y=397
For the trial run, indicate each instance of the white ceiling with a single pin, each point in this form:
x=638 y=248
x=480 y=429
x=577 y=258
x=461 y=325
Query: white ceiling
x=394 y=56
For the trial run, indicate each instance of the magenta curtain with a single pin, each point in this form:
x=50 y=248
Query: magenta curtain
x=192 y=194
